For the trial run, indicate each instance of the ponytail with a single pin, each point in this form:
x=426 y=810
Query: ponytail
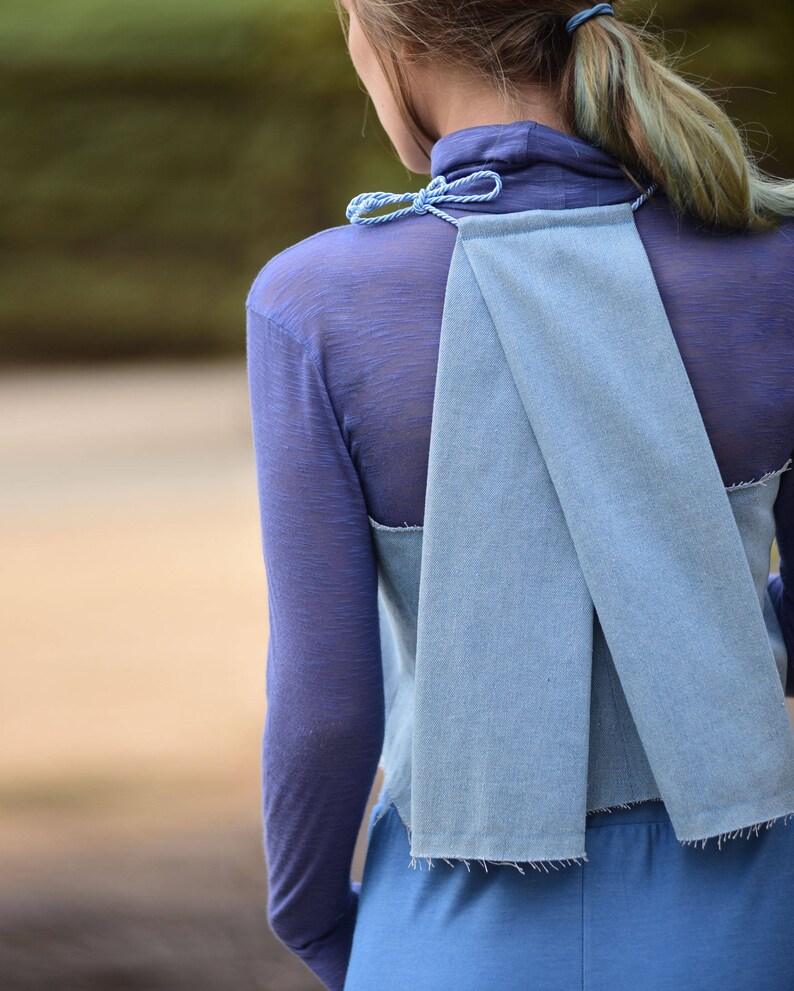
x=618 y=89
x=622 y=93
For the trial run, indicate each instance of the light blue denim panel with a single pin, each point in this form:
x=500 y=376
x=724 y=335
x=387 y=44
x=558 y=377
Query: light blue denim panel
x=618 y=769
x=625 y=512
x=399 y=553
x=477 y=707
x=753 y=510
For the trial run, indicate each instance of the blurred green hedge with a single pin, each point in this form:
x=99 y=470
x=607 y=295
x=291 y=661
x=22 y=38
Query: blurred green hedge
x=154 y=156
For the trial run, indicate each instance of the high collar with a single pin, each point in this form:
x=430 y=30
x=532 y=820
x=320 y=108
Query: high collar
x=515 y=146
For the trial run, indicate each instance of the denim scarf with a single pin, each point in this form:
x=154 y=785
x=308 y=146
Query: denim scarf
x=570 y=476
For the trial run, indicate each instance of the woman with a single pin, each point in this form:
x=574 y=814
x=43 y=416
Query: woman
x=548 y=113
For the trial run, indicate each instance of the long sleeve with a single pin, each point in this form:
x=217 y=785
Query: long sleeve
x=324 y=726
x=781 y=586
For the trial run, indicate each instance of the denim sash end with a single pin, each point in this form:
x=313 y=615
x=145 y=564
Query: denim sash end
x=572 y=488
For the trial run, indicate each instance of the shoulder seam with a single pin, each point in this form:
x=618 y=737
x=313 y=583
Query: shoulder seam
x=290 y=333
x=292 y=247
x=321 y=377
x=312 y=237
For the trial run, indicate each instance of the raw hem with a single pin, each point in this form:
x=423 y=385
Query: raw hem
x=732 y=835
x=734 y=824
x=537 y=864
x=762 y=480
x=625 y=805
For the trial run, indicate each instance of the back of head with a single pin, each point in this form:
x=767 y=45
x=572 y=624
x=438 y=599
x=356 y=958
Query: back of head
x=615 y=82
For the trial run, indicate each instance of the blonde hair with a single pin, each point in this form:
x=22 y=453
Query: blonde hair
x=617 y=84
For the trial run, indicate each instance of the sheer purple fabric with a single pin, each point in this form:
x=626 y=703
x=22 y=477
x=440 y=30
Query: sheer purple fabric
x=342 y=345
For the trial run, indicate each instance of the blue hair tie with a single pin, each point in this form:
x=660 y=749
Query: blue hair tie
x=585 y=15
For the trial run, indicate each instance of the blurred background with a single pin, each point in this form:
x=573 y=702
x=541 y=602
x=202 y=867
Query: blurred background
x=153 y=157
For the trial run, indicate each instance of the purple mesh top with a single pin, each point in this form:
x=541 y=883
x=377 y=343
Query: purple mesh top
x=342 y=345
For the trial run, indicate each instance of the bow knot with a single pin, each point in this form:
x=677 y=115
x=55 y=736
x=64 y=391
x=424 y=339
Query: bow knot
x=433 y=190
x=438 y=190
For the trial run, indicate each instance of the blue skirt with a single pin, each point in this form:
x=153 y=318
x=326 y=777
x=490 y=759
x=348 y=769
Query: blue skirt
x=644 y=912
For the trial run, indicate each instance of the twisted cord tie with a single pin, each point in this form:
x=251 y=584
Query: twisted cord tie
x=645 y=196
x=438 y=190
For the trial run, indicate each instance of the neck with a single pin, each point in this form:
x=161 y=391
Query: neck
x=451 y=103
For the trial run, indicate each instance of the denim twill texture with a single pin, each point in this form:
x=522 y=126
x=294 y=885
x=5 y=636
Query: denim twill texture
x=618 y=770
x=549 y=498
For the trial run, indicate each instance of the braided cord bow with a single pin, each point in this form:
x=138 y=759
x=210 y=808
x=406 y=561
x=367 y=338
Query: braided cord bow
x=438 y=190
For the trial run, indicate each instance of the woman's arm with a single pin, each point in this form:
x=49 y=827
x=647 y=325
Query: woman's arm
x=781 y=586
x=323 y=731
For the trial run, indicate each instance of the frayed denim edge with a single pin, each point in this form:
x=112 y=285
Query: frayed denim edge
x=754 y=829
x=763 y=479
x=544 y=865
x=537 y=865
